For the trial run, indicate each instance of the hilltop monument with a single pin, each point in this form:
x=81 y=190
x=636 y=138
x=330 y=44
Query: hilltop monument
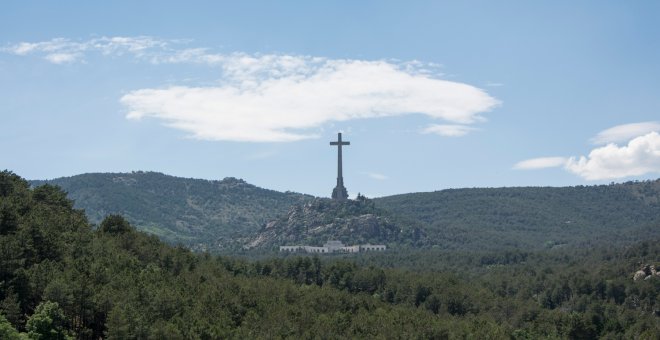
x=339 y=192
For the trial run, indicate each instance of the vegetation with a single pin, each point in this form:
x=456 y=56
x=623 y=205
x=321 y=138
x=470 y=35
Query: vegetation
x=352 y=221
x=223 y=216
x=61 y=278
x=533 y=218
x=198 y=213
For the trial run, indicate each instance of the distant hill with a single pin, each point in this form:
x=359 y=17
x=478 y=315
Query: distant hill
x=198 y=213
x=533 y=217
x=231 y=213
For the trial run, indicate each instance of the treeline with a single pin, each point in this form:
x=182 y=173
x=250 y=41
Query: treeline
x=62 y=277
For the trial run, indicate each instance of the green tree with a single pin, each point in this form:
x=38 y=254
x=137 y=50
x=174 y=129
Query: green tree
x=47 y=323
x=7 y=331
x=115 y=224
x=10 y=308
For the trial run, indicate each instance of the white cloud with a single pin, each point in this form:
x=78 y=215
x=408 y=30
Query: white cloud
x=448 y=130
x=540 y=163
x=625 y=132
x=274 y=97
x=641 y=156
x=269 y=98
x=376 y=176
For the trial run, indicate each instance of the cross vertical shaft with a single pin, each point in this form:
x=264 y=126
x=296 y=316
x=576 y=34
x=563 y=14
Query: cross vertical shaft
x=339 y=192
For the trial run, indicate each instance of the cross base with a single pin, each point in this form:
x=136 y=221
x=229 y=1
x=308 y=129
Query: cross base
x=339 y=193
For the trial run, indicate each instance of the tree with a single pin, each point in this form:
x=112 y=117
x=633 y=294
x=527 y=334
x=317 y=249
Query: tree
x=10 y=308
x=47 y=323
x=7 y=331
x=115 y=224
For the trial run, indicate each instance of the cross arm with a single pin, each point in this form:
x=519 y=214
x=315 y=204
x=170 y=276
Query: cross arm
x=338 y=143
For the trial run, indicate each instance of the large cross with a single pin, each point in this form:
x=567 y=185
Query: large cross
x=339 y=192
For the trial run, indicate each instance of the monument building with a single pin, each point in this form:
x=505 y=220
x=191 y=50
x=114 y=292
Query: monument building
x=339 y=192
x=334 y=247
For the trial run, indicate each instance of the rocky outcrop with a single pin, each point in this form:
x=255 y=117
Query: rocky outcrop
x=352 y=222
x=645 y=273
x=639 y=275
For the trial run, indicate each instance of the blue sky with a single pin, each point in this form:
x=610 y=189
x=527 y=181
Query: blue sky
x=431 y=95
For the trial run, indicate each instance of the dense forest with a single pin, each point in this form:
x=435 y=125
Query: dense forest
x=61 y=277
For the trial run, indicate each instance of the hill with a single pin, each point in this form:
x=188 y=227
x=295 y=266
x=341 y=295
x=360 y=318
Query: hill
x=199 y=213
x=352 y=222
x=231 y=213
x=60 y=278
x=533 y=217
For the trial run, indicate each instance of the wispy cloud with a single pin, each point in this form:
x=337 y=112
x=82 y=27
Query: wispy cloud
x=62 y=58
x=623 y=133
x=376 y=176
x=61 y=50
x=279 y=97
x=540 y=163
x=448 y=130
x=639 y=156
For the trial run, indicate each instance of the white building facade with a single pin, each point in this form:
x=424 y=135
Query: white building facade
x=334 y=247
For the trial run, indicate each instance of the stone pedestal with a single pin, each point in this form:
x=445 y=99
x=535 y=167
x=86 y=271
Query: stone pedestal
x=339 y=192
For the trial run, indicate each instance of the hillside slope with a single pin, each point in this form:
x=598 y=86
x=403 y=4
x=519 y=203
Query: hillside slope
x=533 y=217
x=198 y=213
x=352 y=222
x=230 y=213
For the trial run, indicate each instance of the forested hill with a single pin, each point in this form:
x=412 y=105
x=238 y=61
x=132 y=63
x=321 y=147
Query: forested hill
x=194 y=212
x=62 y=279
x=534 y=217
x=211 y=215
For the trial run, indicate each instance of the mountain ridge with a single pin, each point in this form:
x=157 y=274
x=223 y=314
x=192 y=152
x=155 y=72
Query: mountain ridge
x=225 y=214
x=199 y=213
x=535 y=216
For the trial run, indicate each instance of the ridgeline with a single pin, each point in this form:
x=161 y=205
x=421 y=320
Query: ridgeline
x=533 y=217
x=229 y=214
x=200 y=214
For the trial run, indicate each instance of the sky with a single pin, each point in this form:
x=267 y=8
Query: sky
x=431 y=94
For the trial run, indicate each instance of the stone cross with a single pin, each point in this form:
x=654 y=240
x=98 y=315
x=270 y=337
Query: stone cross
x=339 y=192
